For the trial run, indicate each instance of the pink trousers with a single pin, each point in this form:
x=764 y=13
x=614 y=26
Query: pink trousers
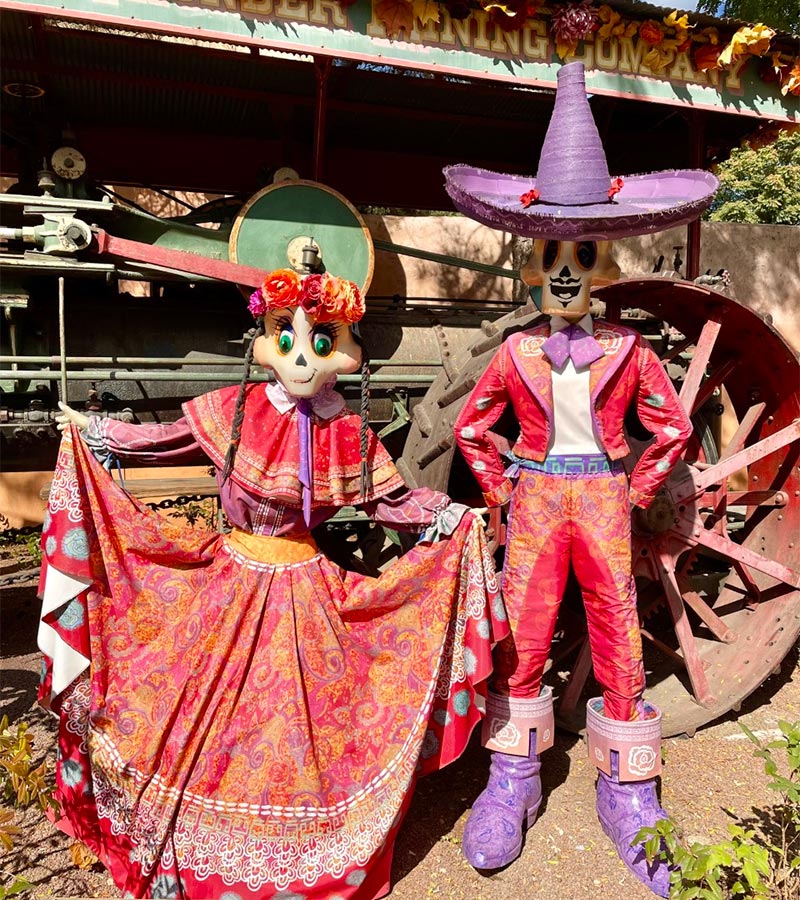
x=582 y=520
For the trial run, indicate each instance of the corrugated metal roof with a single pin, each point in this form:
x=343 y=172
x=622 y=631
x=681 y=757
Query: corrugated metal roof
x=135 y=96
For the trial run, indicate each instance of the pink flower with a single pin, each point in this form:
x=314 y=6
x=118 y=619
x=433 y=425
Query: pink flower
x=257 y=304
x=311 y=293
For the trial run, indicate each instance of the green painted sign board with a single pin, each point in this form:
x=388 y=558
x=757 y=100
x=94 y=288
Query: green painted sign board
x=472 y=47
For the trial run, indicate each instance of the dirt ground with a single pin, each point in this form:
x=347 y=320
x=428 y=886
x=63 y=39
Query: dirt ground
x=566 y=856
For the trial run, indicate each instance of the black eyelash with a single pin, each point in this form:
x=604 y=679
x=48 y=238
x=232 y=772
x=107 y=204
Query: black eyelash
x=332 y=329
x=284 y=322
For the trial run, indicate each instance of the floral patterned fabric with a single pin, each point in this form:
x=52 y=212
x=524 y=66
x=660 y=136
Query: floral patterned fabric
x=584 y=521
x=245 y=728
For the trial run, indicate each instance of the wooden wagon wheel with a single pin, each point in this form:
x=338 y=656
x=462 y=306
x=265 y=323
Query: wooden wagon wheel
x=717 y=563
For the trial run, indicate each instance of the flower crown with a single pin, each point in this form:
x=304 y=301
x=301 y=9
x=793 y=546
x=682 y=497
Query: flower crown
x=324 y=297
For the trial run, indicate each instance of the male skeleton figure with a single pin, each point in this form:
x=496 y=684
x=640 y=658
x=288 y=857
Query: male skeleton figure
x=570 y=383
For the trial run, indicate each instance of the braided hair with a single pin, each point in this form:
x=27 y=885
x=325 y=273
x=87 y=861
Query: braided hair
x=364 y=411
x=238 y=416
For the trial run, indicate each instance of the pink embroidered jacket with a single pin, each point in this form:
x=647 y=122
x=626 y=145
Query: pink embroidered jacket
x=520 y=374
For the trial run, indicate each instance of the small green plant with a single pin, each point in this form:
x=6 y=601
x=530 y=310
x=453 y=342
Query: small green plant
x=21 y=785
x=196 y=511
x=760 y=860
x=27 y=546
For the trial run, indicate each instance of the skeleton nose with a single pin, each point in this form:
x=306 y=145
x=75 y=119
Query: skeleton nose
x=300 y=361
x=565 y=272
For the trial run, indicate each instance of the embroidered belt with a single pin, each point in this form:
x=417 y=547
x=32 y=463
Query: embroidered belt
x=577 y=464
x=273 y=550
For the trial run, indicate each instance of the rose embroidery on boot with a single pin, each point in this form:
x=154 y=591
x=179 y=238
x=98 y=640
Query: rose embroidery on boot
x=641 y=760
x=504 y=734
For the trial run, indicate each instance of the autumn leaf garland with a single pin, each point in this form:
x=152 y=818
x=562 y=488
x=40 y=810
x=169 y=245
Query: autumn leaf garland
x=571 y=23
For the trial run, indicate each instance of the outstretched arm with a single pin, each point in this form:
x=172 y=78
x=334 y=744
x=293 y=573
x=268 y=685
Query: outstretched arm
x=144 y=444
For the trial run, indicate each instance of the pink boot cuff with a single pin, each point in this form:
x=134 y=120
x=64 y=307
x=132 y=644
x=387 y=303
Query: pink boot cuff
x=510 y=720
x=638 y=743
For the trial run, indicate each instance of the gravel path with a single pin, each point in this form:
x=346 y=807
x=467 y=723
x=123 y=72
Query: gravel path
x=566 y=855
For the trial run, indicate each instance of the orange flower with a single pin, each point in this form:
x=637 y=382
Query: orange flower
x=651 y=32
x=339 y=299
x=281 y=288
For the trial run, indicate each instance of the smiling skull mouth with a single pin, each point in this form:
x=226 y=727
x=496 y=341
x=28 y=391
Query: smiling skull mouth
x=304 y=380
x=565 y=292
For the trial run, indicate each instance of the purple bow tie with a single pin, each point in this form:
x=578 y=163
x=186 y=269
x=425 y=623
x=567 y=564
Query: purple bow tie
x=572 y=342
x=306 y=474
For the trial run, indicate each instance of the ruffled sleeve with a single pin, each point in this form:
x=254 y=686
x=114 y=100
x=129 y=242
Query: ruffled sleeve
x=144 y=444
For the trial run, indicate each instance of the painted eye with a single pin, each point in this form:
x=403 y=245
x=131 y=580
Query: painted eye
x=285 y=340
x=550 y=255
x=323 y=342
x=586 y=254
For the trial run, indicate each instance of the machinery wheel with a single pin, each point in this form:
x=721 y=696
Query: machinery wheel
x=717 y=556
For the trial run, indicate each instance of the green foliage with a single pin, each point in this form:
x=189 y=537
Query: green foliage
x=20 y=785
x=761 y=863
x=196 y=511
x=782 y=14
x=17 y=886
x=760 y=186
x=28 y=545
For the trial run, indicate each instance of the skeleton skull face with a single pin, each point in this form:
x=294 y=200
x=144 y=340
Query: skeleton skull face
x=566 y=270
x=305 y=354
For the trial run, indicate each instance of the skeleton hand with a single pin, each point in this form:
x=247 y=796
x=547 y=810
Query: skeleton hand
x=482 y=513
x=68 y=416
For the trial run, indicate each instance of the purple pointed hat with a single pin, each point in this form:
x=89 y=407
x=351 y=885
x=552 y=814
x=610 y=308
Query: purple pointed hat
x=573 y=197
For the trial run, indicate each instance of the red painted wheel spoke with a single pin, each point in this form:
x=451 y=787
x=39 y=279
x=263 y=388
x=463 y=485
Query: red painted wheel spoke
x=683 y=631
x=721 y=470
x=748 y=582
x=577 y=679
x=676 y=349
x=732 y=551
x=712 y=621
x=697 y=367
x=742 y=433
x=714 y=380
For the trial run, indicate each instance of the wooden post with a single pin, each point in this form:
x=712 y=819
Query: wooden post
x=697 y=155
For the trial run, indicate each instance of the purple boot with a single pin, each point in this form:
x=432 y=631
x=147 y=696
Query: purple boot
x=508 y=806
x=626 y=796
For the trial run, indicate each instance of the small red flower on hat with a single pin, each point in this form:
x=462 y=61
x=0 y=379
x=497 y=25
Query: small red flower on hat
x=529 y=197
x=616 y=186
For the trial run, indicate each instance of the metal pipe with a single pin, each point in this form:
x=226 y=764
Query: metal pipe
x=446 y=260
x=62 y=342
x=10 y=234
x=173 y=361
x=119 y=375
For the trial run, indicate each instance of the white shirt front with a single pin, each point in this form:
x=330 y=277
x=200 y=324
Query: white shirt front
x=573 y=433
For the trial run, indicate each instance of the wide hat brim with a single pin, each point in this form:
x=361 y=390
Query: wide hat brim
x=646 y=203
